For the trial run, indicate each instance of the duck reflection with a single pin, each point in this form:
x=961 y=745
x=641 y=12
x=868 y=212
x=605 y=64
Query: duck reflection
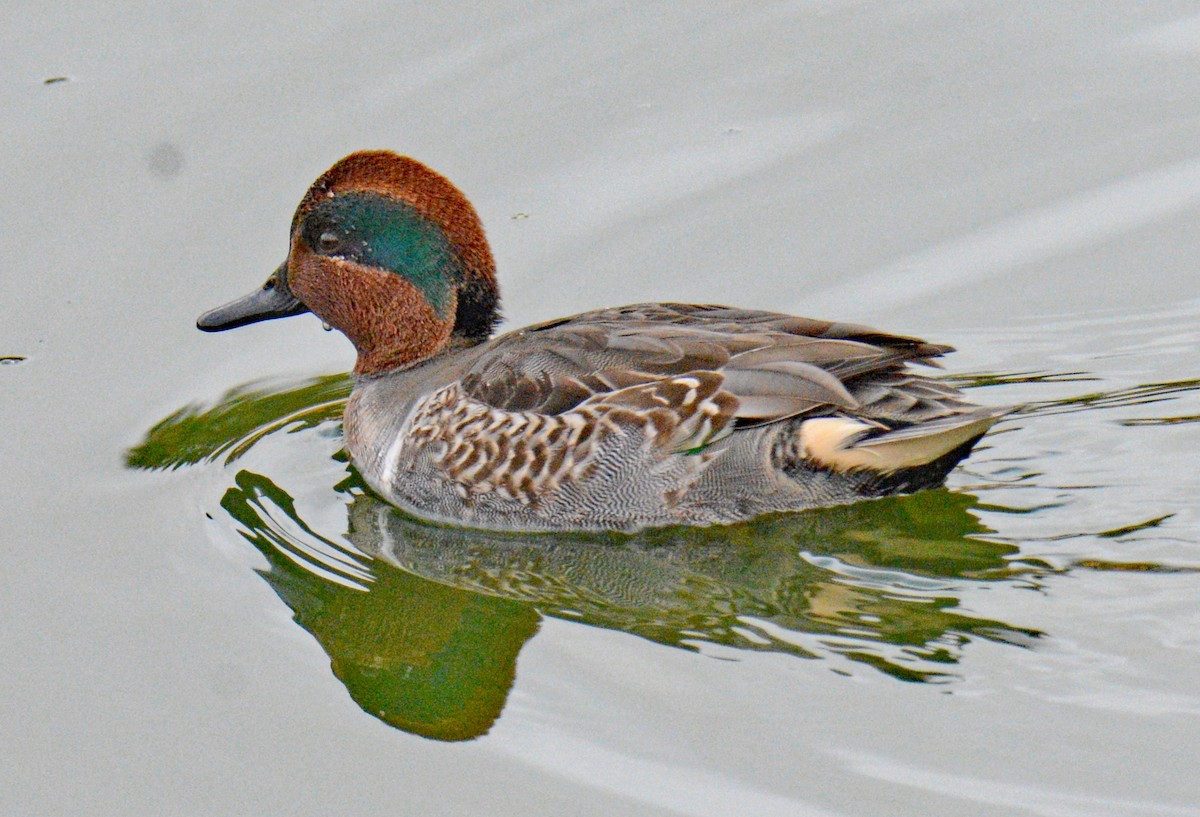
x=423 y=624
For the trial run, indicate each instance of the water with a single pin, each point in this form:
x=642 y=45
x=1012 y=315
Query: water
x=206 y=613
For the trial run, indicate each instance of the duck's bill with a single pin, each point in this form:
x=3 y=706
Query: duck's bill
x=272 y=300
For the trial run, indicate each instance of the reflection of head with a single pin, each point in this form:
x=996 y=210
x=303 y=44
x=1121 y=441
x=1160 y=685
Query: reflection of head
x=425 y=657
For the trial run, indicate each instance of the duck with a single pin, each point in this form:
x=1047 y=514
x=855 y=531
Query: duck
x=617 y=419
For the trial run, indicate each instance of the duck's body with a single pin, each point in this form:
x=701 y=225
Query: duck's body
x=645 y=415
x=657 y=414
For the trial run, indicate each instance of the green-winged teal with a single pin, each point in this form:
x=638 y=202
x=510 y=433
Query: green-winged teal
x=623 y=418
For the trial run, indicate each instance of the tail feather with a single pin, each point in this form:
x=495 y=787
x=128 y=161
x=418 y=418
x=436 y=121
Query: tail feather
x=848 y=444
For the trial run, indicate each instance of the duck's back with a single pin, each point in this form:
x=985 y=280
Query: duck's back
x=657 y=414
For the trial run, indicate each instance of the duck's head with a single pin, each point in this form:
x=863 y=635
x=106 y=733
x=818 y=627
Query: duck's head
x=388 y=252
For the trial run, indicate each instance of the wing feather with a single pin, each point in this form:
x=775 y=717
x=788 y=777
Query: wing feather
x=769 y=366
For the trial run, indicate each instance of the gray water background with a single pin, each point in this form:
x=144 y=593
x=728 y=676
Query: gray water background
x=1019 y=179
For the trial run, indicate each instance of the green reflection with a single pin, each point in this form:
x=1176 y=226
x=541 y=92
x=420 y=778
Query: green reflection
x=427 y=658
x=241 y=418
x=1140 y=395
x=424 y=624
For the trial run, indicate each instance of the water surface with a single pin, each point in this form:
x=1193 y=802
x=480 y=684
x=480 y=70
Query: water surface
x=206 y=613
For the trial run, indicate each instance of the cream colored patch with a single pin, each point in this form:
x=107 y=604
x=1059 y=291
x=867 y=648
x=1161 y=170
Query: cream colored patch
x=831 y=442
x=827 y=441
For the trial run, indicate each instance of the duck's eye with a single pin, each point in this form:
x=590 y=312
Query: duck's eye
x=328 y=242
